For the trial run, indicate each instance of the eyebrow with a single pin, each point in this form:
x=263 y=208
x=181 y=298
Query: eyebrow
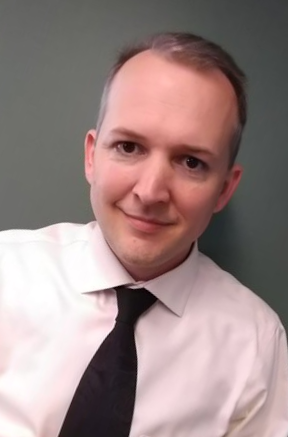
x=141 y=138
x=127 y=132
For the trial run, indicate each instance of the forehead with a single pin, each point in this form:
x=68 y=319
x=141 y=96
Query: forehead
x=150 y=92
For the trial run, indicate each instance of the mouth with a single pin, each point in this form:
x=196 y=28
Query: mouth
x=146 y=224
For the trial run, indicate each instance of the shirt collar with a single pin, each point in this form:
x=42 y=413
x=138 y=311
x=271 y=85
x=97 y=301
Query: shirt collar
x=174 y=287
x=103 y=270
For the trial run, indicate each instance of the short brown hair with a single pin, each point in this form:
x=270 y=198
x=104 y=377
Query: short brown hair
x=194 y=51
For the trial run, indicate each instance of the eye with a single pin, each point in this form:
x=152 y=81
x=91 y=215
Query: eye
x=127 y=147
x=193 y=163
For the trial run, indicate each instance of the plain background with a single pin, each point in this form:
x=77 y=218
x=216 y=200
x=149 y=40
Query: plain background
x=53 y=59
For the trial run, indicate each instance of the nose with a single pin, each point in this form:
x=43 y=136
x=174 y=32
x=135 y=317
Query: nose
x=153 y=182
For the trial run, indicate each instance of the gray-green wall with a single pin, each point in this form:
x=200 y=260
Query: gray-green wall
x=53 y=59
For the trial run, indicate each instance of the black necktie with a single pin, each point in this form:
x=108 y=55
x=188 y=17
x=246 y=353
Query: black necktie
x=103 y=403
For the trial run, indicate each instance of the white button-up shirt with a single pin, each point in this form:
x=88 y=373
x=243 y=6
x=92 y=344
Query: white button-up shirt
x=212 y=356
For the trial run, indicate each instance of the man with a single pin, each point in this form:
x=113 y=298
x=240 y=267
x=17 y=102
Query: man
x=211 y=355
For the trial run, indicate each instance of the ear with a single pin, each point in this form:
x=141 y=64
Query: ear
x=229 y=187
x=90 y=141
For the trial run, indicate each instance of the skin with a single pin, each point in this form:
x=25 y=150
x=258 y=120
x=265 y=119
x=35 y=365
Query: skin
x=159 y=170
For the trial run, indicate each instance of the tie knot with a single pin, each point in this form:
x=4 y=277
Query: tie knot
x=132 y=303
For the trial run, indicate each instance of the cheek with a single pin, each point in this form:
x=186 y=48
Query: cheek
x=111 y=182
x=199 y=202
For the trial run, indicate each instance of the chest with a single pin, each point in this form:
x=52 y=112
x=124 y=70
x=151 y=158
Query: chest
x=190 y=374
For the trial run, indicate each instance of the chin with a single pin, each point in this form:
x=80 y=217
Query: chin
x=141 y=255
x=139 y=259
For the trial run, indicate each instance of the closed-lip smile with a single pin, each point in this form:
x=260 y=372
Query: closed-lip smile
x=148 y=219
x=144 y=223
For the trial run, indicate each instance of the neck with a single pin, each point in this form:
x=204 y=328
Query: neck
x=148 y=272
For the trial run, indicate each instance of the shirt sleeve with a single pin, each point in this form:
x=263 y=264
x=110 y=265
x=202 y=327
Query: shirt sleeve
x=262 y=410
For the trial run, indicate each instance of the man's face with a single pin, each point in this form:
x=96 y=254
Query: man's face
x=160 y=166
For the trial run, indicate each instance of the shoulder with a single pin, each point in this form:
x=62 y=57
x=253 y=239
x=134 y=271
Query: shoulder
x=234 y=302
x=60 y=233
x=27 y=246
